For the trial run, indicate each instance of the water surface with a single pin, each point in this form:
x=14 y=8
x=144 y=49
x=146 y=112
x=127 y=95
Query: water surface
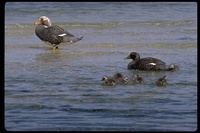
x=61 y=90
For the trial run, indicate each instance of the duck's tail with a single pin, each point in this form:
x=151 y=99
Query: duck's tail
x=172 y=67
x=72 y=39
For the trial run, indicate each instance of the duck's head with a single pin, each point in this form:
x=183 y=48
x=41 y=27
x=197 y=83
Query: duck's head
x=104 y=78
x=138 y=77
x=134 y=55
x=163 y=79
x=43 y=20
x=126 y=79
x=108 y=81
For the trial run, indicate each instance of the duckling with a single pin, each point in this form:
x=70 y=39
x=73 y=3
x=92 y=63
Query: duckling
x=145 y=64
x=119 y=78
x=162 y=81
x=138 y=79
x=108 y=81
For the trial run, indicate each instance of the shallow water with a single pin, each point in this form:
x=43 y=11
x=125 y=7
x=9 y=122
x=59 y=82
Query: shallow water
x=61 y=90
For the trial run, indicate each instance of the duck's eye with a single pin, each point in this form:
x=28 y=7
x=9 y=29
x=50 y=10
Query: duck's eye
x=133 y=56
x=104 y=78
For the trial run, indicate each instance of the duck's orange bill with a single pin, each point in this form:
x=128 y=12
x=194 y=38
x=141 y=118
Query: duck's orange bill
x=37 y=22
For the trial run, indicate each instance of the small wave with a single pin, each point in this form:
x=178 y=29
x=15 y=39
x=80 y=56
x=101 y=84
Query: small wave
x=167 y=23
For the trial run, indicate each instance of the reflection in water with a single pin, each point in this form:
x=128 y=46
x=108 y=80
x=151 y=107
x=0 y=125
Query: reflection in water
x=51 y=56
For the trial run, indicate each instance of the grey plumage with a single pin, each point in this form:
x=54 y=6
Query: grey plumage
x=53 y=34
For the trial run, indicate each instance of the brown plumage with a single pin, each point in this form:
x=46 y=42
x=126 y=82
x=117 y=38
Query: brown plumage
x=162 y=81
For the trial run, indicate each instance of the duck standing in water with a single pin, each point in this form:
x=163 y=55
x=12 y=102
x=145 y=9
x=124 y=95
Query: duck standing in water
x=108 y=81
x=53 y=34
x=145 y=64
x=162 y=81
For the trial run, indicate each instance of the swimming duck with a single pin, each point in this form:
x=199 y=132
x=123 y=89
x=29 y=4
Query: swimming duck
x=147 y=63
x=53 y=34
x=162 y=81
x=119 y=78
x=108 y=81
x=138 y=79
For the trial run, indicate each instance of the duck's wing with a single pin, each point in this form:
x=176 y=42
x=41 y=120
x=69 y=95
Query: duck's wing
x=150 y=63
x=59 y=31
x=51 y=34
x=56 y=35
x=62 y=36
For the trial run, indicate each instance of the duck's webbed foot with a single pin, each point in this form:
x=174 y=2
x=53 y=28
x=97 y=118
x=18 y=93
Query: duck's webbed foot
x=55 y=47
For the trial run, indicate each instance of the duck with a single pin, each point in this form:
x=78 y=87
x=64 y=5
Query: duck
x=108 y=81
x=138 y=79
x=145 y=64
x=162 y=81
x=53 y=35
x=119 y=78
